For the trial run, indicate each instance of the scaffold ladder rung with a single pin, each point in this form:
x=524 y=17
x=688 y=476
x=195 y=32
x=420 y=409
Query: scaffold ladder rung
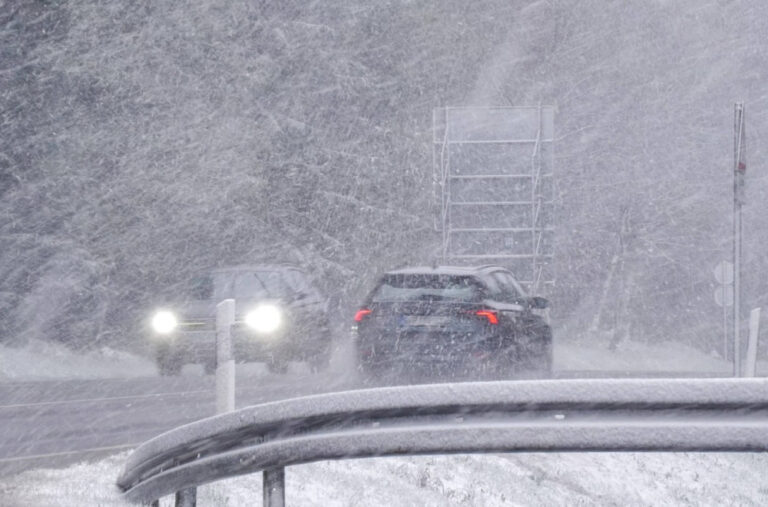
x=501 y=229
x=496 y=203
x=499 y=256
x=493 y=176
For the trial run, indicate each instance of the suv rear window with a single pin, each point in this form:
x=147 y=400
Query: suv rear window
x=426 y=287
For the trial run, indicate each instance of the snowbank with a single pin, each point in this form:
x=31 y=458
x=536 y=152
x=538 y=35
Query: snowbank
x=592 y=353
x=41 y=360
x=489 y=480
x=587 y=355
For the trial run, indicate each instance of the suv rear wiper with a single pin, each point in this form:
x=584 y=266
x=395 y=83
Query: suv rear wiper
x=430 y=297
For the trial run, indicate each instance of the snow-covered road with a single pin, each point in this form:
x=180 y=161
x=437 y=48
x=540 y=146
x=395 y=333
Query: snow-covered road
x=60 y=422
x=55 y=422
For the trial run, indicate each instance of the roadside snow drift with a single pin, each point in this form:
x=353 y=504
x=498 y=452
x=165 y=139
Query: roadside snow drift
x=517 y=479
x=46 y=361
x=40 y=360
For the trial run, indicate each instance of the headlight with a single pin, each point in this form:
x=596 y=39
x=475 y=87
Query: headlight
x=164 y=322
x=264 y=318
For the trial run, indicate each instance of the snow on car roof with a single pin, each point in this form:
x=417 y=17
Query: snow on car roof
x=441 y=270
x=255 y=267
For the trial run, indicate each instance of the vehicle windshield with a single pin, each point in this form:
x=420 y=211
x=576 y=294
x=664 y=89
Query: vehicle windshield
x=425 y=287
x=250 y=285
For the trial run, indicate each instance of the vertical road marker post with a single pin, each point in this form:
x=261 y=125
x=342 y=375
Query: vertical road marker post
x=724 y=296
x=225 y=362
x=225 y=379
x=750 y=369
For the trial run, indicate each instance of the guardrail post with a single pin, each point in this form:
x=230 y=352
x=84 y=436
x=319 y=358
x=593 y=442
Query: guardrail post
x=274 y=487
x=225 y=363
x=750 y=369
x=186 y=497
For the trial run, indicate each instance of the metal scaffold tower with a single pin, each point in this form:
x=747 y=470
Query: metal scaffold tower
x=493 y=173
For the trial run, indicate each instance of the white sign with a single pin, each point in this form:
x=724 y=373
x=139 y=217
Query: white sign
x=724 y=294
x=724 y=273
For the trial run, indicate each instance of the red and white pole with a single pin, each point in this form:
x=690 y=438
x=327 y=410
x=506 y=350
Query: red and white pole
x=739 y=170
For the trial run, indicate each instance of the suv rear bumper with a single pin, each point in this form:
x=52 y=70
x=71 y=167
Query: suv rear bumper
x=443 y=352
x=423 y=349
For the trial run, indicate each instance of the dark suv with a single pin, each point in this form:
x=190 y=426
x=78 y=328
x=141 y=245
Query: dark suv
x=457 y=320
x=280 y=316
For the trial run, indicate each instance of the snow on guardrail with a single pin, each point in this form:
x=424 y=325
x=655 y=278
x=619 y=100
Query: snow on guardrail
x=559 y=415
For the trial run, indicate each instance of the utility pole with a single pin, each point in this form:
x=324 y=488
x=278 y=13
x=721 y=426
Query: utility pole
x=739 y=170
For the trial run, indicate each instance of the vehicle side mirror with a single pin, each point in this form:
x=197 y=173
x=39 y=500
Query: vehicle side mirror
x=539 y=303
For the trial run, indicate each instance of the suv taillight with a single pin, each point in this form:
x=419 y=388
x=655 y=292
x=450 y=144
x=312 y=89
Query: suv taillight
x=491 y=315
x=361 y=314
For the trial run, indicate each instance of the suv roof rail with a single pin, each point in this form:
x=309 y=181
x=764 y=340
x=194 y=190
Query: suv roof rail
x=488 y=266
x=247 y=268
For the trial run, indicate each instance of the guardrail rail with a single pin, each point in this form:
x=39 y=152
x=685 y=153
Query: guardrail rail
x=479 y=417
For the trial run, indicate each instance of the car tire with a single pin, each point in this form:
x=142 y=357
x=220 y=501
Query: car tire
x=209 y=367
x=168 y=363
x=278 y=366
x=504 y=362
x=367 y=376
x=169 y=367
x=502 y=369
x=541 y=363
x=320 y=361
x=542 y=367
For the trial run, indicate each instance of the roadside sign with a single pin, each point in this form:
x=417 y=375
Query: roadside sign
x=724 y=294
x=724 y=273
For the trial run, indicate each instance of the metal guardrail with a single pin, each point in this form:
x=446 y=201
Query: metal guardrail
x=479 y=417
